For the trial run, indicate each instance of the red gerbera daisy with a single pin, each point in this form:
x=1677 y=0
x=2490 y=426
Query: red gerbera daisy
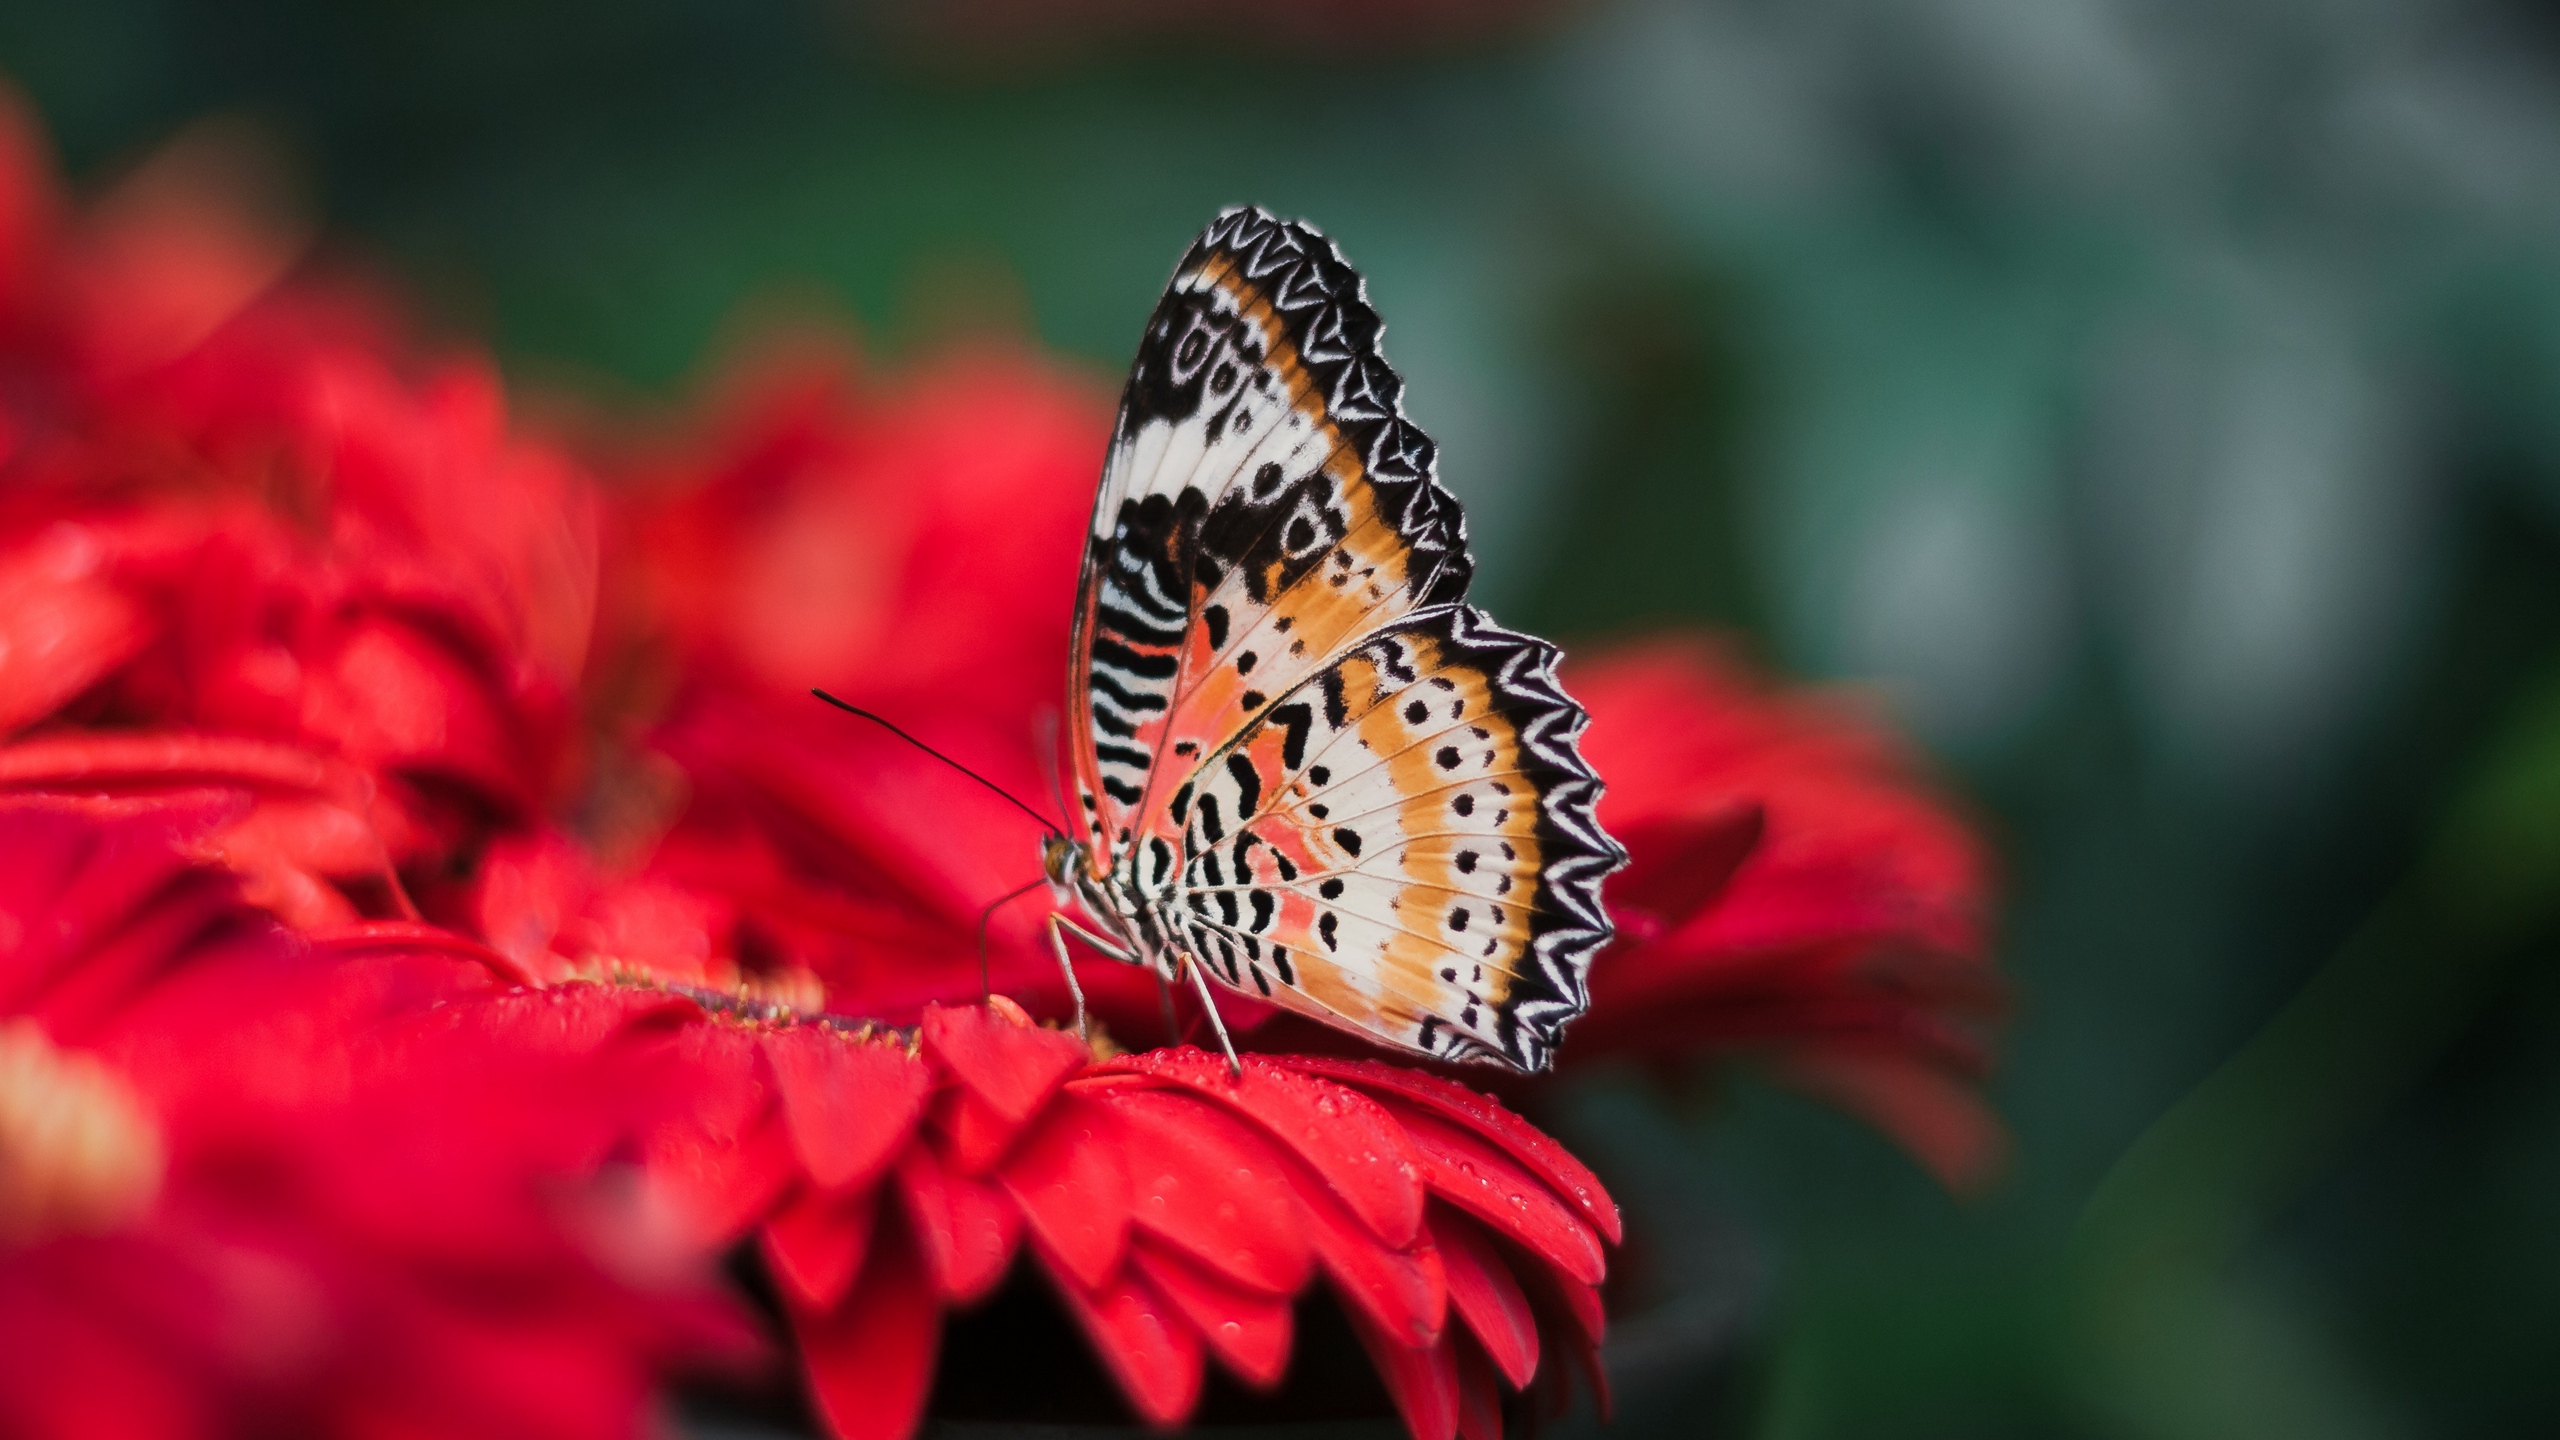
x=1793 y=889
x=250 y=1190
x=885 y=1174
x=247 y=539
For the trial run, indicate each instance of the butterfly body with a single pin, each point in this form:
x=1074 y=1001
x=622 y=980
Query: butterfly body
x=1302 y=759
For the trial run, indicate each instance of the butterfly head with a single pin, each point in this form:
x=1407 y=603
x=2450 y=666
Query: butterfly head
x=1062 y=860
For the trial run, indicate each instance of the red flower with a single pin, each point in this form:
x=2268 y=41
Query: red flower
x=250 y=1190
x=886 y=1174
x=245 y=539
x=1793 y=890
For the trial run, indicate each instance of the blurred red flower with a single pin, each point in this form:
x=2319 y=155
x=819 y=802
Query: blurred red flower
x=250 y=1189
x=248 y=539
x=1794 y=890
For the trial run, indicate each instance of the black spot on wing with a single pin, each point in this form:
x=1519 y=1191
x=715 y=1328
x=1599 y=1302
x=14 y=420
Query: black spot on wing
x=1293 y=721
x=1248 y=783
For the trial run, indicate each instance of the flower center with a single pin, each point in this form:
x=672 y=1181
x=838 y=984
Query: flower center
x=78 y=1152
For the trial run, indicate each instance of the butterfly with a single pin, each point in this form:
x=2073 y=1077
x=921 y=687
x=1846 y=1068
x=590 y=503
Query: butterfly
x=1303 y=766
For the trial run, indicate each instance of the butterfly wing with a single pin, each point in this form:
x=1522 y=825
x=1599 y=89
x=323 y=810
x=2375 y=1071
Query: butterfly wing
x=1270 y=558
x=1403 y=843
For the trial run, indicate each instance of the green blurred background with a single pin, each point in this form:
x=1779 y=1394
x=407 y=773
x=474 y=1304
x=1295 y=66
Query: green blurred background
x=2158 y=400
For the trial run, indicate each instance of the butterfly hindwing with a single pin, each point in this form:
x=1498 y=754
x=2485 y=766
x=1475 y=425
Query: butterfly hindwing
x=1404 y=843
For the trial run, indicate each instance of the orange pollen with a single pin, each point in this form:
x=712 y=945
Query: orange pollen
x=78 y=1152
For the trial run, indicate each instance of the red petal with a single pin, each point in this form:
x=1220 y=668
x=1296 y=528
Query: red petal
x=966 y=1228
x=1349 y=1138
x=814 y=1244
x=388 y=693
x=376 y=937
x=106 y=761
x=1422 y=1379
x=1938 y=1117
x=1676 y=864
x=1487 y=1297
x=850 y=1102
x=1586 y=1358
x=1590 y=1317
x=1531 y=1146
x=1147 y=1343
x=60 y=632
x=1580 y=1302
x=1011 y=1065
x=1071 y=1178
x=978 y=1135
x=111 y=960
x=574 y=1020
x=1248 y=1330
x=729 y=1157
x=74 y=874
x=528 y=888
x=98 y=1385
x=722 y=1186
x=1214 y=1187
x=1404 y=1292
x=869 y=1361
x=1479 y=1392
x=290 y=833
x=1476 y=1177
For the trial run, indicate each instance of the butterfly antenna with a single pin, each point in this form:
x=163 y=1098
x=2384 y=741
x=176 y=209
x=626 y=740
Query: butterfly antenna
x=1045 y=822
x=989 y=914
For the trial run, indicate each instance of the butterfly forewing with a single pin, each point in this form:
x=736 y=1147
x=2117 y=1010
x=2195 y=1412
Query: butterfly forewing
x=1271 y=583
x=1263 y=505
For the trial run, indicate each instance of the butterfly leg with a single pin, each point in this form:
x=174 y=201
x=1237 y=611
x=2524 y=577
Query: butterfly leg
x=1200 y=981
x=1059 y=926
